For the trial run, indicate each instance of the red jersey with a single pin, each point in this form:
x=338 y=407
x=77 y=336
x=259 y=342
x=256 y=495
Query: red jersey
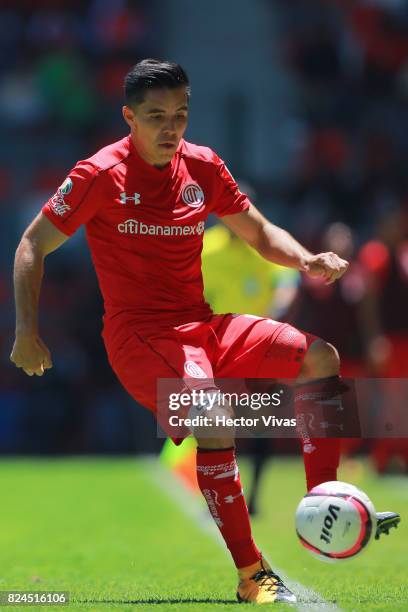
x=144 y=227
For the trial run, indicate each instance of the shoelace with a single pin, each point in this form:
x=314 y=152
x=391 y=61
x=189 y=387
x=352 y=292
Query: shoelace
x=264 y=575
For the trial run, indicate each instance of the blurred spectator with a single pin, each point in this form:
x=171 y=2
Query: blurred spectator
x=387 y=259
x=67 y=87
x=338 y=311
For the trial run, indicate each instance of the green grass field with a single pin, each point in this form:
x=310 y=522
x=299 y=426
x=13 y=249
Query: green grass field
x=106 y=531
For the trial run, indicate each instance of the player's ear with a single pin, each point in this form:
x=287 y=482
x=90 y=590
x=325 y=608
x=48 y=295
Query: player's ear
x=128 y=115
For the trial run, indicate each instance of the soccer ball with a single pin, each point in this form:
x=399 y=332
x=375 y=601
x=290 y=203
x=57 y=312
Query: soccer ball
x=335 y=521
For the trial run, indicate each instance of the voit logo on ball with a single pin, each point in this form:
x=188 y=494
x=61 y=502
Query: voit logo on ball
x=192 y=195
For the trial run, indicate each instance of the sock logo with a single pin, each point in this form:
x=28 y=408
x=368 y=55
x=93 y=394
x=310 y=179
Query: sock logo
x=308 y=448
x=211 y=503
x=303 y=432
x=229 y=499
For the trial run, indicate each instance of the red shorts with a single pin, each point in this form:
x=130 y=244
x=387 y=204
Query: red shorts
x=223 y=346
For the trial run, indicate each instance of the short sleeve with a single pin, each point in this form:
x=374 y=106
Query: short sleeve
x=228 y=199
x=76 y=201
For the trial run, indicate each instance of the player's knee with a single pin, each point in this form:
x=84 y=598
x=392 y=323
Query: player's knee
x=215 y=423
x=215 y=443
x=322 y=359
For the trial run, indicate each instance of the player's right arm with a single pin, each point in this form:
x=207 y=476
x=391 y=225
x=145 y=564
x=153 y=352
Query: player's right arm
x=39 y=239
x=76 y=201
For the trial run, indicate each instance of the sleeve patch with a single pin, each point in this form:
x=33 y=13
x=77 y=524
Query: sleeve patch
x=57 y=202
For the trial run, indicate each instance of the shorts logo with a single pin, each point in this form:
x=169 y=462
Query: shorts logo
x=135 y=227
x=194 y=370
x=192 y=195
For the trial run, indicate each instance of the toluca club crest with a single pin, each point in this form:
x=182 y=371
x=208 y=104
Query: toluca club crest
x=192 y=195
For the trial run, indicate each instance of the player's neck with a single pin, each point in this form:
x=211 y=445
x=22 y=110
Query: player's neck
x=146 y=157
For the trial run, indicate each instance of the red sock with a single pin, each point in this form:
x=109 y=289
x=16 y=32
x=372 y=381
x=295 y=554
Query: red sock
x=218 y=479
x=320 y=455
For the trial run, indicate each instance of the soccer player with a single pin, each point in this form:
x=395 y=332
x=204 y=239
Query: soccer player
x=144 y=201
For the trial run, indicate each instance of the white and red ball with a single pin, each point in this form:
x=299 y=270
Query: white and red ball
x=335 y=521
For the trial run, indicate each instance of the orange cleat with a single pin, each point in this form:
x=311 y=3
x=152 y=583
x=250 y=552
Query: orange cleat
x=259 y=584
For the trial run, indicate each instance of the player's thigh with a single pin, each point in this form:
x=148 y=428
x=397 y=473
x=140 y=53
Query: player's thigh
x=142 y=362
x=256 y=347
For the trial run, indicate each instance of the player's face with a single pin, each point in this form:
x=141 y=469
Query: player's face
x=158 y=123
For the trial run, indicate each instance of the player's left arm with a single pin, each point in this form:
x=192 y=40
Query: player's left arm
x=277 y=245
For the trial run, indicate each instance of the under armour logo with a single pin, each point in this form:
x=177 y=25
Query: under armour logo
x=229 y=499
x=308 y=448
x=124 y=198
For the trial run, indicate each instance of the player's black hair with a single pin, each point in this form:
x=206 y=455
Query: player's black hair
x=153 y=74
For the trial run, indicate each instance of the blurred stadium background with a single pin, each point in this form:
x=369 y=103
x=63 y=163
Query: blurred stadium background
x=306 y=101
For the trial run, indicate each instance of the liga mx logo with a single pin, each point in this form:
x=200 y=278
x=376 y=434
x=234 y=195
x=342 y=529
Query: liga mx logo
x=66 y=187
x=192 y=195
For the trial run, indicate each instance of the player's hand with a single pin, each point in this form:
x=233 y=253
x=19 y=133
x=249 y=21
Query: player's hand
x=30 y=354
x=327 y=265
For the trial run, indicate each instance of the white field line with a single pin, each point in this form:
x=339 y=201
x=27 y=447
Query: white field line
x=192 y=506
